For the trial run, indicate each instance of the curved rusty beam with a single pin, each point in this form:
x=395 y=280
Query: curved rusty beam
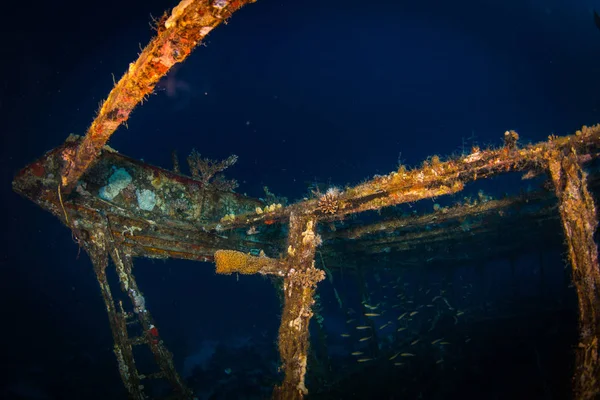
x=178 y=34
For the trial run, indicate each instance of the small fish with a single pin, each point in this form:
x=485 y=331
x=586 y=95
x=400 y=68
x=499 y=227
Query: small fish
x=407 y=354
x=401 y=329
x=372 y=315
x=384 y=325
x=448 y=304
x=363 y=327
x=402 y=316
x=357 y=353
x=428 y=290
x=444 y=342
x=458 y=314
x=398 y=364
x=439 y=361
x=396 y=305
x=435 y=298
x=371 y=307
x=413 y=313
x=467 y=340
x=394 y=356
x=344 y=335
x=350 y=320
x=436 y=340
x=430 y=305
x=364 y=359
x=365 y=339
x=414 y=342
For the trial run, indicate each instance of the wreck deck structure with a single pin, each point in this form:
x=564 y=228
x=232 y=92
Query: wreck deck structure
x=119 y=208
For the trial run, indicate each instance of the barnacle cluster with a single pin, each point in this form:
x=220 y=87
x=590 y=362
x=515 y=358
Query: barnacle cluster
x=308 y=278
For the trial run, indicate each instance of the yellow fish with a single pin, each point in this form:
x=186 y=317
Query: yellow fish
x=444 y=342
x=415 y=342
x=407 y=354
x=414 y=313
x=345 y=335
x=365 y=338
x=372 y=315
x=350 y=320
x=402 y=316
x=363 y=327
x=364 y=359
x=401 y=329
x=398 y=364
x=458 y=314
x=357 y=353
x=384 y=325
x=436 y=340
x=394 y=356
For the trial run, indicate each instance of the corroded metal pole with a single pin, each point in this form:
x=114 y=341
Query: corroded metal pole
x=579 y=220
x=178 y=35
x=299 y=288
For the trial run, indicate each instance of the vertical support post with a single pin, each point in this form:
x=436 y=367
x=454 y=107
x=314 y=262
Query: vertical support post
x=299 y=286
x=579 y=221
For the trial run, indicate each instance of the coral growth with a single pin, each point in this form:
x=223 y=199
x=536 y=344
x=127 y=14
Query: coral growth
x=209 y=171
x=329 y=203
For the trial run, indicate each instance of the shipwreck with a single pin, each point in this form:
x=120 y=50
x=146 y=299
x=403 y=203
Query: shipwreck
x=119 y=209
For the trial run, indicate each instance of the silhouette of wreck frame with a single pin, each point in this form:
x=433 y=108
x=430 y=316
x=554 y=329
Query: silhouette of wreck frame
x=67 y=182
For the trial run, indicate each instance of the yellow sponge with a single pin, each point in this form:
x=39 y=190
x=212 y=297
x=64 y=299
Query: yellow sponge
x=229 y=261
